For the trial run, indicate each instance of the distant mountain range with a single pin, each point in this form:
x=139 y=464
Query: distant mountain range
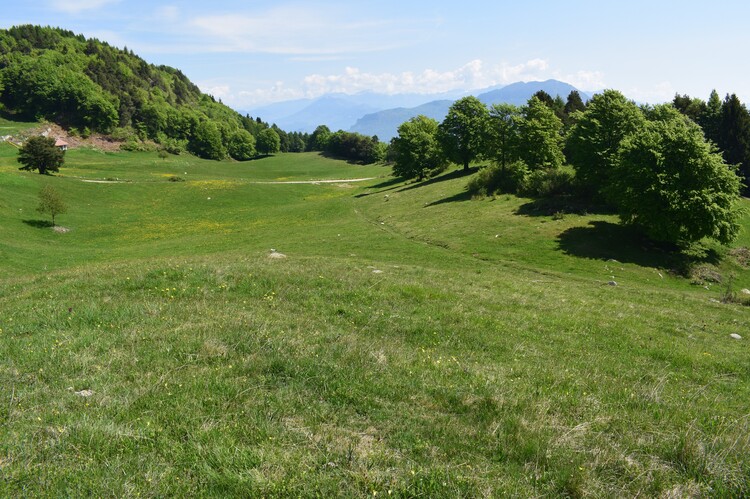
x=370 y=113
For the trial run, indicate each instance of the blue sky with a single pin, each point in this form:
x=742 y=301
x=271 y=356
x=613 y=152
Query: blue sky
x=253 y=52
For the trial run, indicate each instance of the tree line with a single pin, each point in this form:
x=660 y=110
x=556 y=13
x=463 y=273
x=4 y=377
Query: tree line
x=673 y=170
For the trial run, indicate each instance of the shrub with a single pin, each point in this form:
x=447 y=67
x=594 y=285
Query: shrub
x=495 y=178
x=548 y=182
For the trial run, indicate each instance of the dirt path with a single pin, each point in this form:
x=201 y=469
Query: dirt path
x=341 y=181
x=313 y=182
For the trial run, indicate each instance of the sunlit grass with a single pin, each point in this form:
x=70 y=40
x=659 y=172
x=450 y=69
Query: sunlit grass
x=419 y=344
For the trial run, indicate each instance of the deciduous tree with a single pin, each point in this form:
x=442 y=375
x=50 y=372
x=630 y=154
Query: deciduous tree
x=540 y=139
x=416 y=149
x=502 y=135
x=268 y=142
x=463 y=131
x=51 y=202
x=670 y=182
x=594 y=141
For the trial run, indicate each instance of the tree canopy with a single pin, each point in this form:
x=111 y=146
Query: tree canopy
x=51 y=202
x=668 y=181
x=40 y=153
x=594 y=141
x=89 y=85
x=463 y=132
x=540 y=139
x=417 y=152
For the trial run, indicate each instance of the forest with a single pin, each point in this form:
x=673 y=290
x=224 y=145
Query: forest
x=89 y=86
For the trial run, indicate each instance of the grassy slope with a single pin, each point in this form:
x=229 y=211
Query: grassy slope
x=487 y=357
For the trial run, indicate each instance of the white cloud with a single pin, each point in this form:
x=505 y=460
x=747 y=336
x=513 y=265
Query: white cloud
x=168 y=13
x=657 y=94
x=302 y=30
x=75 y=6
x=584 y=80
x=473 y=75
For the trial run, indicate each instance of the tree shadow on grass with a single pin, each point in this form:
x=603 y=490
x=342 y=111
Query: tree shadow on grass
x=546 y=207
x=386 y=185
x=39 y=224
x=441 y=178
x=608 y=241
x=461 y=196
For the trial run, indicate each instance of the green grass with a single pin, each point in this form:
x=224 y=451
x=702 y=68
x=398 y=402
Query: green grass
x=419 y=345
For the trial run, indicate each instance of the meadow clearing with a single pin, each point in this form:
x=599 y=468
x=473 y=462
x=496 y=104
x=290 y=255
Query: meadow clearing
x=413 y=343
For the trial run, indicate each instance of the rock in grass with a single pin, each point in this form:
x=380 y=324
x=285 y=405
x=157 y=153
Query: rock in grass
x=745 y=291
x=735 y=336
x=276 y=255
x=612 y=283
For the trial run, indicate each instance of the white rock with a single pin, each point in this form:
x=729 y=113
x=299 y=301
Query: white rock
x=735 y=336
x=745 y=291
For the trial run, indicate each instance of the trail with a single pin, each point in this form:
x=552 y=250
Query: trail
x=341 y=181
x=313 y=182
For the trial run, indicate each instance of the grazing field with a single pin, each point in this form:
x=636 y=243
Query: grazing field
x=413 y=342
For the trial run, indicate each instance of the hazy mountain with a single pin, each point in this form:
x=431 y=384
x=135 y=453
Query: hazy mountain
x=338 y=111
x=385 y=123
x=519 y=93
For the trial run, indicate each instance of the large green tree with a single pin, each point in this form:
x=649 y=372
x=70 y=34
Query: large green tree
x=207 y=141
x=594 y=141
x=416 y=150
x=463 y=132
x=39 y=153
x=268 y=142
x=241 y=145
x=502 y=135
x=671 y=183
x=540 y=140
x=319 y=138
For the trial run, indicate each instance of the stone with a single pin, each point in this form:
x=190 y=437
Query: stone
x=612 y=283
x=735 y=336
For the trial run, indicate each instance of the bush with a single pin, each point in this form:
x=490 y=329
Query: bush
x=548 y=183
x=122 y=134
x=494 y=179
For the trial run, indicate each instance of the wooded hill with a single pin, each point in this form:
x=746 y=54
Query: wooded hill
x=87 y=86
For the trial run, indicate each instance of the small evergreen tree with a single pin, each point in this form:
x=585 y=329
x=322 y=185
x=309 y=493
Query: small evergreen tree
x=734 y=135
x=40 y=153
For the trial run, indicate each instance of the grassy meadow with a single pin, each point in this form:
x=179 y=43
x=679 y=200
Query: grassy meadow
x=413 y=343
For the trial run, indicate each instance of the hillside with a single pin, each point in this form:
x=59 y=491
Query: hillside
x=156 y=348
x=87 y=85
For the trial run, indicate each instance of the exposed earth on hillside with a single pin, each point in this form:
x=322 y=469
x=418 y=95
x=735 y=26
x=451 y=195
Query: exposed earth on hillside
x=95 y=141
